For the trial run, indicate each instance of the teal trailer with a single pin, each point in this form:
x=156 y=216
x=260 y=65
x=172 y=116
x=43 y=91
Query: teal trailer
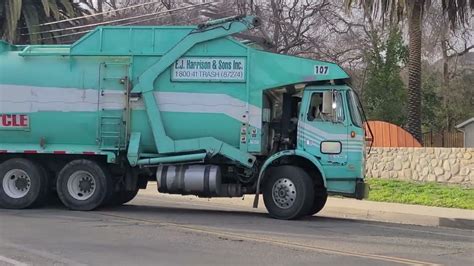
x=192 y=108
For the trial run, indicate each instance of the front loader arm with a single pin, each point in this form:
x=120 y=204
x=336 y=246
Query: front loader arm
x=145 y=87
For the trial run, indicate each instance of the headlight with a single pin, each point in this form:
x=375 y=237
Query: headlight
x=331 y=147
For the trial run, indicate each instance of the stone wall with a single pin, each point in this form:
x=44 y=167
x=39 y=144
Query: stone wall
x=446 y=165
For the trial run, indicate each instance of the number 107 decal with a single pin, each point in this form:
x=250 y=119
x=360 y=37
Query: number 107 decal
x=321 y=70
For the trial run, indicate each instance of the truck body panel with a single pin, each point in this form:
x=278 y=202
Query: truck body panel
x=54 y=87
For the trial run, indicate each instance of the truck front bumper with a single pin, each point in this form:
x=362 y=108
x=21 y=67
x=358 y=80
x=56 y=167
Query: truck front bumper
x=361 y=190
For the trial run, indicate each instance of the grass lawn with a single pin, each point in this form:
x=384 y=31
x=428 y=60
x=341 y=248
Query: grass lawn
x=421 y=193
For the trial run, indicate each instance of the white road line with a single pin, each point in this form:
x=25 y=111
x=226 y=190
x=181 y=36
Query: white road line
x=12 y=261
x=43 y=254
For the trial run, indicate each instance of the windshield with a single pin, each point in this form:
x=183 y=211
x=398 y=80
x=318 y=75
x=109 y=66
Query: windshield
x=355 y=108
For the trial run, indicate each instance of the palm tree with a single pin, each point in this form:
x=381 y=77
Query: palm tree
x=457 y=13
x=20 y=18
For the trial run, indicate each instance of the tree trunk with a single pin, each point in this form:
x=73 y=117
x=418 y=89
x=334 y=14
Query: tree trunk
x=414 y=69
x=277 y=27
x=446 y=79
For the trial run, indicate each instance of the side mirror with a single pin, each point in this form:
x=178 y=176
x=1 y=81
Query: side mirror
x=327 y=102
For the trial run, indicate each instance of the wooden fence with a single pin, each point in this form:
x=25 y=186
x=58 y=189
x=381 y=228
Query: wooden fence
x=390 y=135
x=447 y=139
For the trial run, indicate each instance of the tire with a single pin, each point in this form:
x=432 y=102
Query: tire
x=46 y=189
x=288 y=192
x=320 y=198
x=83 y=185
x=23 y=184
x=122 y=197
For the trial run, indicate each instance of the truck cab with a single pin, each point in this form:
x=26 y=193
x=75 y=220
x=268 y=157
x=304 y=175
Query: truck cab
x=330 y=128
x=324 y=123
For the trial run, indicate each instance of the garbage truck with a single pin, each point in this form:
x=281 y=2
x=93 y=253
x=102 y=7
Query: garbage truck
x=193 y=108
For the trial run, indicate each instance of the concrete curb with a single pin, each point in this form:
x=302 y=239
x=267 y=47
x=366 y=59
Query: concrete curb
x=343 y=208
x=401 y=218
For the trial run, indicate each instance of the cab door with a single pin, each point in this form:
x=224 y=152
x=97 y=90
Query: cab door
x=322 y=129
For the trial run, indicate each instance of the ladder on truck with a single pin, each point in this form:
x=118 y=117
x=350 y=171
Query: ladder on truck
x=113 y=111
x=110 y=132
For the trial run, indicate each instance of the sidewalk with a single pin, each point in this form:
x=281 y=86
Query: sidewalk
x=346 y=208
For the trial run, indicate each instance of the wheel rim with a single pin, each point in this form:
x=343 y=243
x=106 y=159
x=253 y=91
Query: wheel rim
x=284 y=193
x=81 y=185
x=16 y=183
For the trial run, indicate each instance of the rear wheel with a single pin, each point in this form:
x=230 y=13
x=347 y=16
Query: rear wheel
x=23 y=184
x=288 y=192
x=123 y=196
x=83 y=185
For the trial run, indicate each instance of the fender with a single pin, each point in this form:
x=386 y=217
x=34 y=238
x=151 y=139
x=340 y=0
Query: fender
x=280 y=154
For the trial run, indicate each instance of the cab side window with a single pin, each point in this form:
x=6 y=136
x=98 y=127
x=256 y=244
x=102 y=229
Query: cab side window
x=316 y=112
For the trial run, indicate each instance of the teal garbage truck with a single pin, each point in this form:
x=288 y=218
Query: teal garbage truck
x=190 y=107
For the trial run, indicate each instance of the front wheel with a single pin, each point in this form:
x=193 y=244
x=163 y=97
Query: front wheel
x=288 y=192
x=320 y=199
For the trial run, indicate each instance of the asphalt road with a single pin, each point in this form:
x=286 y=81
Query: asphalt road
x=167 y=231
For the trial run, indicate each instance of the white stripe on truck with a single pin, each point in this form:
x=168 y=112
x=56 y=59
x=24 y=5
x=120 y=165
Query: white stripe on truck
x=30 y=99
